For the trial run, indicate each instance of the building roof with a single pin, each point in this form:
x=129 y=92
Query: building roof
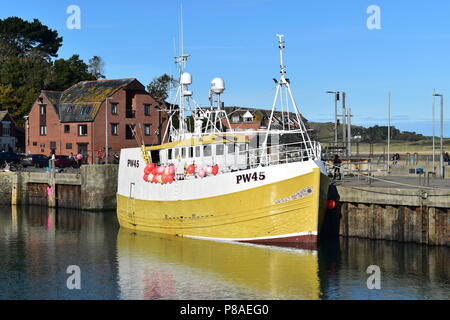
x=5 y=114
x=81 y=102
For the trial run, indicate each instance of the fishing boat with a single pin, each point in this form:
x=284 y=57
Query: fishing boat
x=210 y=180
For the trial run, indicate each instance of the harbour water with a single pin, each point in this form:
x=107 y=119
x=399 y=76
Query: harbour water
x=38 y=244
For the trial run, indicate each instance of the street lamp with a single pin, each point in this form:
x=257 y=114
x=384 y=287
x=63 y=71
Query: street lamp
x=336 y=98
x=106 y=131
x=441 y=162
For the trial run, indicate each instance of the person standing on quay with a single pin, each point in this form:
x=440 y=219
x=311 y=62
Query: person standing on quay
x=79 y=158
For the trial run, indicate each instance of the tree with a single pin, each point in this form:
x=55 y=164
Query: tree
x=69 y=72
x=19 y=37
x=159 y=87
x=96 y=67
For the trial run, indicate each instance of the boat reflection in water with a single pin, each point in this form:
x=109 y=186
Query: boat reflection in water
x=155 y=266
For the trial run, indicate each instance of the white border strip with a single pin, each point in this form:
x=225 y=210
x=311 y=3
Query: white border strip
x=309 y=233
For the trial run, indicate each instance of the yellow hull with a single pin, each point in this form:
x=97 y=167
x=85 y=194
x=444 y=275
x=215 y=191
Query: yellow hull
x=287 y=211
x=147 y=261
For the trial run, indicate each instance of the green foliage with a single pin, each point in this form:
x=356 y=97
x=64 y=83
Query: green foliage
x=19 y=37
x=69 y=72
x=159 y=87
x=374 y=134
x=26 y=66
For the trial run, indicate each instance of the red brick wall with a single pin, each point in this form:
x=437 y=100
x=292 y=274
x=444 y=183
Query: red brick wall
x=115 y=143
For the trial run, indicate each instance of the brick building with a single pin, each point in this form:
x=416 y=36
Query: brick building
x=73 y=120
x=7 y=132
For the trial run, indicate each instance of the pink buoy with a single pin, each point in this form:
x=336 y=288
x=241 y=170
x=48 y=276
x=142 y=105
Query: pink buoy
x=161 y=169
x=170 y=178
x=208 y=170
x=172 y=169
x=201 y=173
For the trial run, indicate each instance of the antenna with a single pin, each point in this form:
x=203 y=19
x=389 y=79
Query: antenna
x=281 y=46
x=181 y=31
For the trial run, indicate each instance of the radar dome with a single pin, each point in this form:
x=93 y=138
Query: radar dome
x=186 y=78
x=217 y=85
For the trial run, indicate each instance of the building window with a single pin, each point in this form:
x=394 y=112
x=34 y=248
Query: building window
x=52 y=144
x=34 y=144
x=147 y=129
x=129 y=131
x=43 y=131
x=114 y=129
x=67 y=128
x=146 y=109
x=113 y=108
x=6 y=130
x=68 y=146
x=82 y=130
x=42 y=109
x=235 y=119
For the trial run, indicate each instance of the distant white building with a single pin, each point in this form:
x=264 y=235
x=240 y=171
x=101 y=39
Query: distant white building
x=7 y=132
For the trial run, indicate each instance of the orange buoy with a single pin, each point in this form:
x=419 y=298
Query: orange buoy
x=331 y=204
x=191 y=169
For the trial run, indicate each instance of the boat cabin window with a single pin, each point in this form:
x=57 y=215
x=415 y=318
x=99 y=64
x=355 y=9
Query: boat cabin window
x=207 y=151
x=230 y=148
x=155 y=156
x=219 y=149
x=197 y=151
x=191 y=152
x=183 y=153
x=170 y=151
x=176 y=153
x=241 y=148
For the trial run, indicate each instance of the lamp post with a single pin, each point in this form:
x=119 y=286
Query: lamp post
x=336 y=98
x=106 y=131
x=434 y=130
x=441 y=158
x=389 y=132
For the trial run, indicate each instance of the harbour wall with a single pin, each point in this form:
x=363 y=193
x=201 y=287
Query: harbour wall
x=93 y=187
x=406 y=215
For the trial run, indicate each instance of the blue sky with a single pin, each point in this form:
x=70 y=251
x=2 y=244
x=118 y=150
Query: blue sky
x=329 y=47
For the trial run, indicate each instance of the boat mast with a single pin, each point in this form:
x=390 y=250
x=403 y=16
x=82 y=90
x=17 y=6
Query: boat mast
x=284 y=85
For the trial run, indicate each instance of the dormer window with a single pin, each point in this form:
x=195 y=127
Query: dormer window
x=248 y=117
x=235 y=119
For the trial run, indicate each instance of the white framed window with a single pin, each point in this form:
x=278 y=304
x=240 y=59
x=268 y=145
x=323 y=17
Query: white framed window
x=147 y=129
x=43 y=131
